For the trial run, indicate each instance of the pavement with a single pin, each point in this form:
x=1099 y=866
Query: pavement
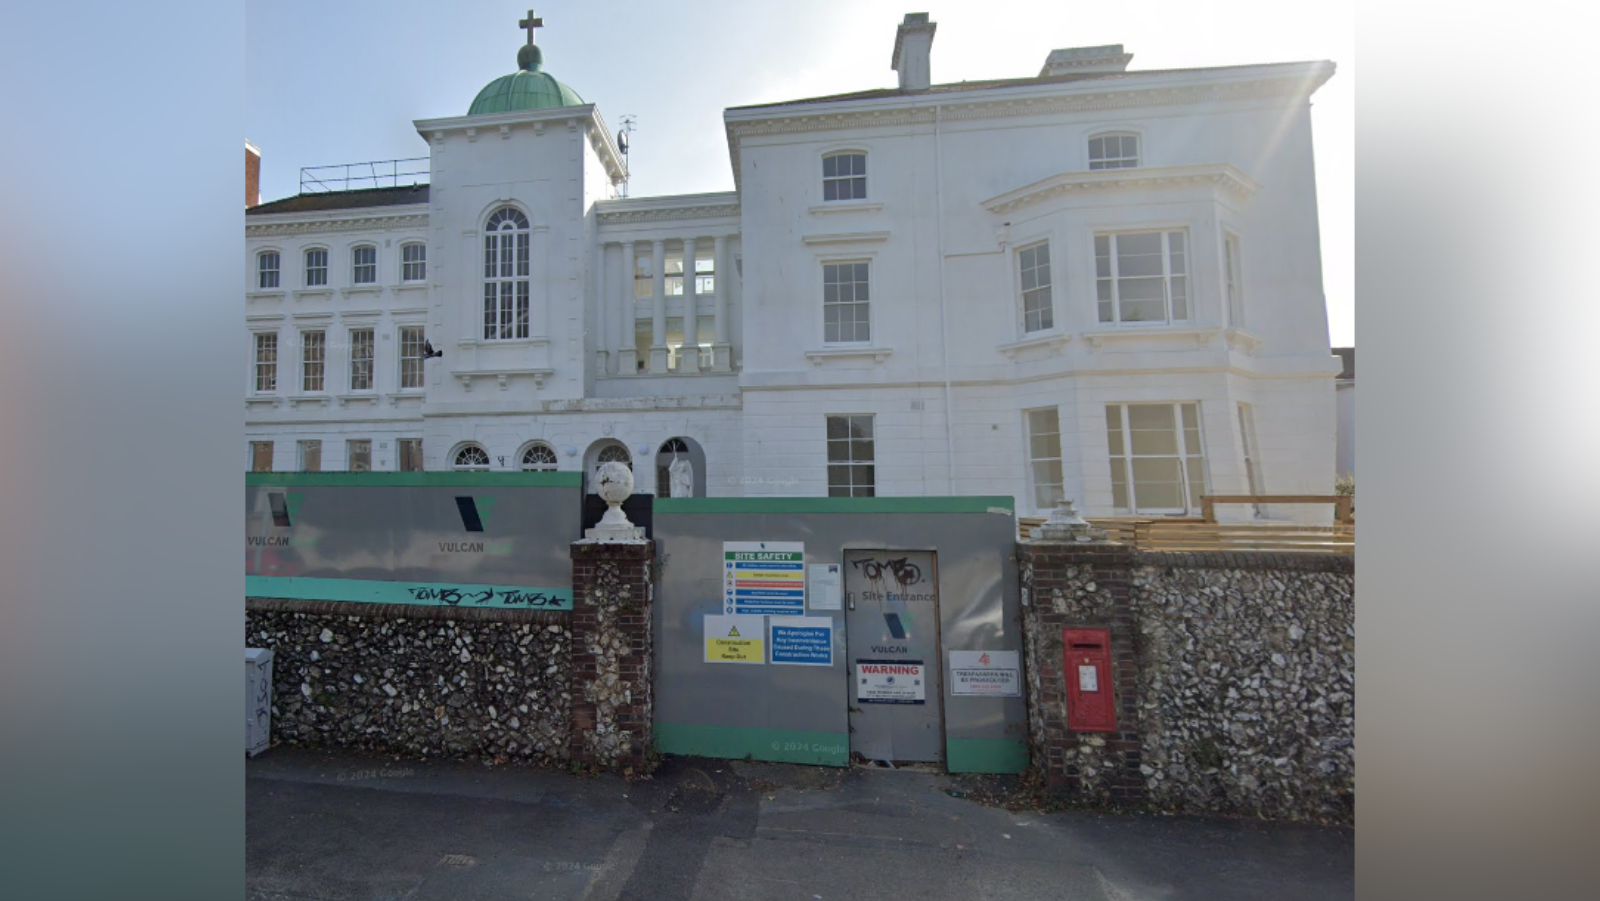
x=338 y=825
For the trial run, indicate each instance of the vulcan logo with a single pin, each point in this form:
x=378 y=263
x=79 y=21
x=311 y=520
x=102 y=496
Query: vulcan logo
x=284 y=507
x=269 y=541
x=474 y=512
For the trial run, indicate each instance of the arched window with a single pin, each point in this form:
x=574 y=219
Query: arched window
x=505 y=275
x=614 y=453
x=539 y=458
x=1114 y=151
x=471 y=457
x=844 y=176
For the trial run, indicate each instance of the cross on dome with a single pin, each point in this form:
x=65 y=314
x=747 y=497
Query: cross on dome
x=531 y=23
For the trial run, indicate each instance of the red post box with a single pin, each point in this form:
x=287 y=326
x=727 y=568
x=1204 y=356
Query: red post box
x=1087 y=655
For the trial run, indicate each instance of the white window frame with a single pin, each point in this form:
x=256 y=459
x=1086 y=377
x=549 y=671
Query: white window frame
x=1233 y=279
x=847 y=183
x=262 y=270
x=1029 y=432
x=1184 y=455
x=1121 y=160
x=265 y=368
x=256 y=446
x=316 y=339
x=1048 y=310
x=847 y=261
x=1253 y=482
x=413 y=271
x=320 y=279
x=370 y=344
x=400 y=455
x=466 y=449
x=353 y=447
x=850 y=462
x=530 y=449
x=507 y=284
x=1114 y=279
x=358 y=268
x=302 y=447
x=411 y=353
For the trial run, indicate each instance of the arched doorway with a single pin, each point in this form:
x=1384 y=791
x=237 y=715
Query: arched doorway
x=680 y=469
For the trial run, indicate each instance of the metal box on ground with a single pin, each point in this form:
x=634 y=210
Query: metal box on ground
x=257 y=700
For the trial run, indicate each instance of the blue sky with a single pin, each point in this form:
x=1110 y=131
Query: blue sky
x=341 y=82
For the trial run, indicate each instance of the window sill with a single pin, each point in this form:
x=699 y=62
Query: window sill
x=502 y=377
x=411 y=286
x=845 y=238
x=370 y=397
x=416 y=394
x=319 y=399
x=312 y=293
x=272 y=400
x=502 y=342
x=1200 y=336
x=848 y=206
x=817 y=355
x=360 y=289
x=1053 y=340
x=265 y=295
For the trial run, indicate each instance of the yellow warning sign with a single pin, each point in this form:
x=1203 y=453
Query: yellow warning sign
x=726 y=644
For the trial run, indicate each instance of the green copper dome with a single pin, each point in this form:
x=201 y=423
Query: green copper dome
x=528 y=88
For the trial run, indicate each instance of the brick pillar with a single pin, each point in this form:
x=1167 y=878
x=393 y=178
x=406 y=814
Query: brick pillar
x=1081 y=585
x=612 y=714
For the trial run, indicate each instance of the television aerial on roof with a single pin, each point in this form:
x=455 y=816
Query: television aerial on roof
x=622 y=145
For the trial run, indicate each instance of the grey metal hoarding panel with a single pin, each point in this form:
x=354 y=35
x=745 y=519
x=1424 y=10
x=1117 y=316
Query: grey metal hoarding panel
x=978 y=609
x=490 y=534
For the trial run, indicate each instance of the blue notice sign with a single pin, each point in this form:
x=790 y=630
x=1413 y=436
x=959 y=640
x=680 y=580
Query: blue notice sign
x=802 y=640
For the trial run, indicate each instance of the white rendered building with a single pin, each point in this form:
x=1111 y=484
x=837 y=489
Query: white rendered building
x=1094 y=282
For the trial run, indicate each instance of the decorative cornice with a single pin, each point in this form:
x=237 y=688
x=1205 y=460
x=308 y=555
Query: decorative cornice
x=963 y=107
x=667 y=209
x=324 y=226
x=1220 y=175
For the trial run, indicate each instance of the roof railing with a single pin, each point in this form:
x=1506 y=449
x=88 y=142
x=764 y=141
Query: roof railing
x=372 y=174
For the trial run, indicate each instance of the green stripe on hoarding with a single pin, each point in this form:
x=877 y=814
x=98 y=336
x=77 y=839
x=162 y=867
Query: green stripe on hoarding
x=420 y=594
x=414 y=479
x=998 y=505
x=985 y=755
x=734 y=743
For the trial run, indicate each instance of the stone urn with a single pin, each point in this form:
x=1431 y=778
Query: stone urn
x=614 y=484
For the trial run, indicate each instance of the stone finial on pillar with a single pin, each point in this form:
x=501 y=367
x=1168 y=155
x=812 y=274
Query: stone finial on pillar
x=615 y=481
x=1065 y=524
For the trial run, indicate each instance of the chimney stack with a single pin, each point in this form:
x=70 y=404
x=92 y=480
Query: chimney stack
x=1107 y=59
x=252 y=175
x=913 y=46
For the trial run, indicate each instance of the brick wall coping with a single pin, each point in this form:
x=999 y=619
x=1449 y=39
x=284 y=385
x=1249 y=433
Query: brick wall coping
x=1106 y=552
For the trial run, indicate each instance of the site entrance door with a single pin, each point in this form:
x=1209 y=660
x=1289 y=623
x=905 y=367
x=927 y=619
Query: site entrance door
x=891 y=601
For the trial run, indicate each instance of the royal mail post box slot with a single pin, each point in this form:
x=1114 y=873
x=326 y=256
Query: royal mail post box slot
x=1091 y=705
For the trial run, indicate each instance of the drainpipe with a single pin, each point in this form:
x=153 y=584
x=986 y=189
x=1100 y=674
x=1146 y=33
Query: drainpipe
x=944 y=334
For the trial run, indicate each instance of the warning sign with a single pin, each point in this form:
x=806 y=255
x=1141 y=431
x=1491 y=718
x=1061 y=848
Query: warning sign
x=735 y=639
x=995 y=674
x=891 y=682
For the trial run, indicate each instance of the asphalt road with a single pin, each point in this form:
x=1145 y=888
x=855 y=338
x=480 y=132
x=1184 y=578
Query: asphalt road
x=358 y=828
